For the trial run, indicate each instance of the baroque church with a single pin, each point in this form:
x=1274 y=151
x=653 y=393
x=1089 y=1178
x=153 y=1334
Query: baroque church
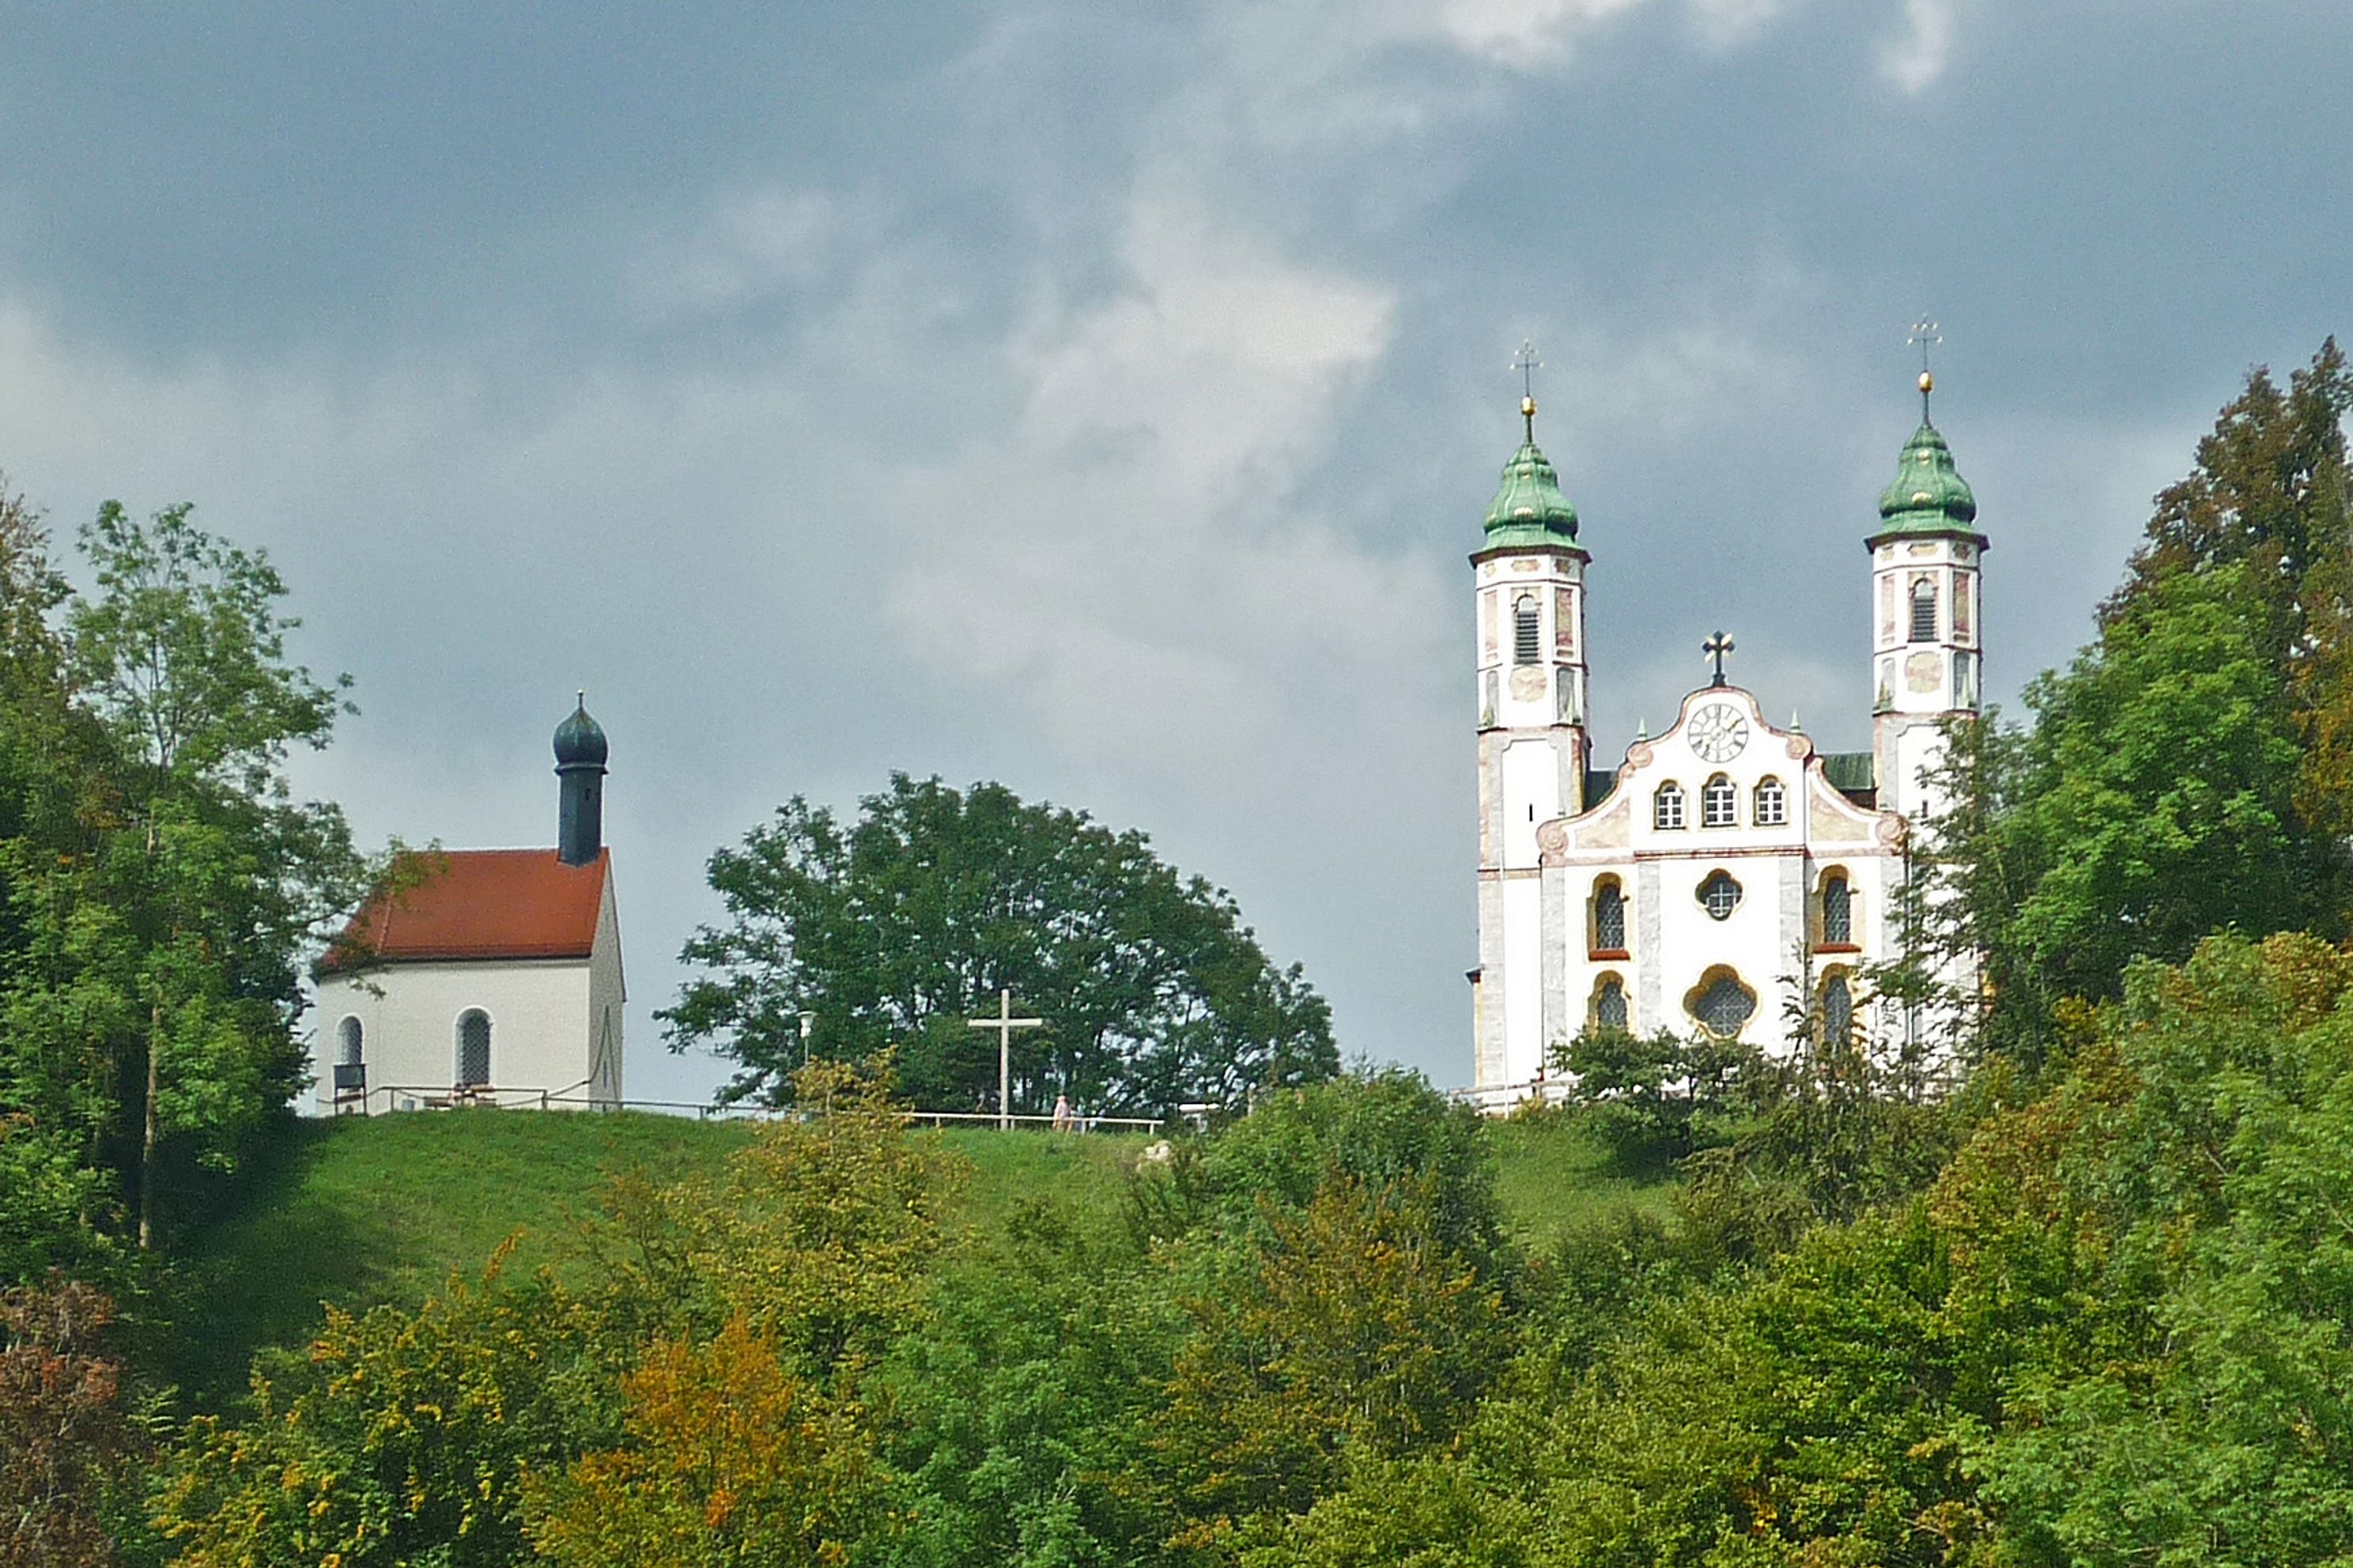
x=1726 y=875
x=486 y=977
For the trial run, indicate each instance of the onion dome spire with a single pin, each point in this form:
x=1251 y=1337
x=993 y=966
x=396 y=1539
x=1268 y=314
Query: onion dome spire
x=1927 y=494
x=1529 y=508
x=579 y=739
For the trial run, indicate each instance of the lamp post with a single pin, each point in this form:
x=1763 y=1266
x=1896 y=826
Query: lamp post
x=807 y=1020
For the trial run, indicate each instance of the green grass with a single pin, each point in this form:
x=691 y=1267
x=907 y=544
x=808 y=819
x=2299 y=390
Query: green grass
x=360 y=1212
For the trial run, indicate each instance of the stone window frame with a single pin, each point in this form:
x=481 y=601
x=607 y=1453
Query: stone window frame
x=1595 y=947
x=1841 y=977
x=1709 y=978
x=1719 y=802
x=1667 y=802
x=1824 y=942
x=1770 y=809
x=1708 y=899
x=1604 y=984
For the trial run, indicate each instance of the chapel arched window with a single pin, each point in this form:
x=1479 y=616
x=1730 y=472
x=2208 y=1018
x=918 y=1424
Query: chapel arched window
x=1719 y=896
x=349 y=1038
x=1610 y=1004
x=1609 y=917
x=1772 y=803
x=1838 y=912
x=1838 y=1011
x=1719 y=803
x=1924 y=610
x=1723 y=1005
x=1667 y=806
x=473 y=1048
x=1527 y=642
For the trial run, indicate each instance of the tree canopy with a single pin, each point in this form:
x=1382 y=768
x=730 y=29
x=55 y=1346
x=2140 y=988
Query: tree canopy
x=895 y=929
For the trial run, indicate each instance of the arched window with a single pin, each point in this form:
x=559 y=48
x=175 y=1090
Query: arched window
x=1667 y=806
x=1924 y=610
x=1610 y=1004
x=473 y=1048
x=1719 y=803
x=1838 y=912
x=1838 y=1011
x=1719 y=894
x=1609 y=917
x=1772 y=803
x=348 y=1039
x=1721 y=1003
x=1527 y=644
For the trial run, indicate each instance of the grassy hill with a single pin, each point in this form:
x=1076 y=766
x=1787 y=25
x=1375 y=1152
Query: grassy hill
x=358 y=1211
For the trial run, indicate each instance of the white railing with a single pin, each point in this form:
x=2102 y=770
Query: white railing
x=386 y=1098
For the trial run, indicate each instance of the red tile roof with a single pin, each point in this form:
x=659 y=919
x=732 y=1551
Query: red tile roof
x=478 y=903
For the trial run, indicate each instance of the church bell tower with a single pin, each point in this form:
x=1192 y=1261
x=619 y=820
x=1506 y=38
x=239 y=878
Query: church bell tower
x=1528 y=577
x=1926 y=649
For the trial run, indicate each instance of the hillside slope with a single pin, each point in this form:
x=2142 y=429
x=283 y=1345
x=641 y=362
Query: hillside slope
x=361 y=1212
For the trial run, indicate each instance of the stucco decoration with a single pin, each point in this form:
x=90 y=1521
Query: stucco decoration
x=1924 y=672
x=1835 y=820
x=1638 y=755
x=1892 y=829
x=1614 y=828
x=1528 y=682
x=1800 y=748
x=1552 y=840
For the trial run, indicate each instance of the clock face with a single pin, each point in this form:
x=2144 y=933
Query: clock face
x=1718 y=733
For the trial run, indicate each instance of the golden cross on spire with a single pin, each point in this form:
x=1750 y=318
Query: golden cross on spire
x=1526 y=363
x=1925 y=337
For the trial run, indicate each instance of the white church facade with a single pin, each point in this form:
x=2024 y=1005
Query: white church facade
x=1725 y=876
x=488 y=977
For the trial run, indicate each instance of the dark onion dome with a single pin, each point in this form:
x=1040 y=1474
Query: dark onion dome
x=580 y=740
x=1529 y=507
x=1928 y=495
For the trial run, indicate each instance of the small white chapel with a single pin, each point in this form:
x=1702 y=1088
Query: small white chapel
x=485 y=977
x=1726 y=875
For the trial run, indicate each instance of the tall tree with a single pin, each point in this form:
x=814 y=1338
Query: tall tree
x=895 y=930
x=215 y=877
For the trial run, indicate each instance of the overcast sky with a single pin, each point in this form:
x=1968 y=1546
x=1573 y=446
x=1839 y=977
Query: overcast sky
x=1102 y=399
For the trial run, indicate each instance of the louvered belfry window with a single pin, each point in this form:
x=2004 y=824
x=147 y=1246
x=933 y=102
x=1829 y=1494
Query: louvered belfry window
x=1527 y=644
x=1924 y=611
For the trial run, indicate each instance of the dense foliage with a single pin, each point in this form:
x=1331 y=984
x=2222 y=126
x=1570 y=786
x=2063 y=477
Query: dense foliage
x=158 y=886
x=897 y=930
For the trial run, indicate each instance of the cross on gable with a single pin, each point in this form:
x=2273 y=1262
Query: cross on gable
x=1716 y=647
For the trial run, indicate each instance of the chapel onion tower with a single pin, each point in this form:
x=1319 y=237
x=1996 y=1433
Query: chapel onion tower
x=1924 y=561
x=1529 y=576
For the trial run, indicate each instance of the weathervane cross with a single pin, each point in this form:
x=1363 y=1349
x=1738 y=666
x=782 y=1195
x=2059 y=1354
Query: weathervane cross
x=1526 y=363
x=1716 y=647
x=1925 y=335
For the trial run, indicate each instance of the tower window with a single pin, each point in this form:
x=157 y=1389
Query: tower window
x=1924 y=610
x=349 y=1036
x=473 y=1048
x=1838 y=912
x=1719 y=803
x=1527 y=642
x=1722 y=1004
x=1838 y=1011
x=1667 y=806
x=1719 y=896
x=1772 y=803
x=1609 y=917
x=1610 y=1004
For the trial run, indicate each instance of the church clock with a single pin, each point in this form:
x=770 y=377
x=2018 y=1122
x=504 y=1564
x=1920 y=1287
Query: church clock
x=1718 y=733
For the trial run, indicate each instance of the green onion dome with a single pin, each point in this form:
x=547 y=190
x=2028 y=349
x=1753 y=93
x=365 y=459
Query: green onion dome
x=1928 y=495
x=1529 y=508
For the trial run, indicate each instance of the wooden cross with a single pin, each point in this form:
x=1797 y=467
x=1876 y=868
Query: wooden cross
x=1004 y=1023
x=1716 y=647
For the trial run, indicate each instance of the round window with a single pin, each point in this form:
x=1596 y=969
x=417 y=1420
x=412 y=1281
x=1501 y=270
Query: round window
x=1719 y=894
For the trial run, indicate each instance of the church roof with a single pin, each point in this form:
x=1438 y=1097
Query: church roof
x=477 y=905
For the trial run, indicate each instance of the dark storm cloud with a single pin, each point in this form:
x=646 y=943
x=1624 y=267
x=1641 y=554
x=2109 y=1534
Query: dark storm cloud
x=1106 y=403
